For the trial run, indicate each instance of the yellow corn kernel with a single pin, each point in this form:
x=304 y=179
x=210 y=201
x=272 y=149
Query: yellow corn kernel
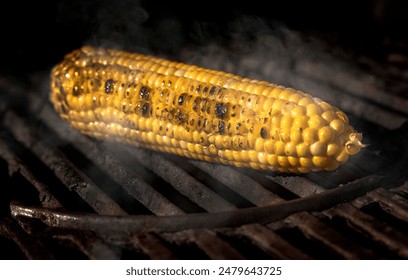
x=290 y=149
x=337 y=125
x=303 y=150
x=199 y=113
x=313 y=109
x=296 y=135
x=298 y=111
x=332 y=149
x=326 y=134
x=318 y=148
x=309 y=135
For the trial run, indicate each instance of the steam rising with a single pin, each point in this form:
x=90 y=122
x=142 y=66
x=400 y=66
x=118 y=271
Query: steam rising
x=246 y=45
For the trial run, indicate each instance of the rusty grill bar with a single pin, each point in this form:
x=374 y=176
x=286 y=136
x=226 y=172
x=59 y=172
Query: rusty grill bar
x=68 y=196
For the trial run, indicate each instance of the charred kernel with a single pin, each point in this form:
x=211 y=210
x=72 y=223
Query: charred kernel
x=198 y=88
x=180 y=117
x=146 y=109
x=75 y=90
x=221 y=127
x=221 y=110
x=213 y=90
x=196 y=104
x=203 y=105
x=180 y=99
x=264 y=133
x=109 y=86
x=144 y=93
x=199 y=123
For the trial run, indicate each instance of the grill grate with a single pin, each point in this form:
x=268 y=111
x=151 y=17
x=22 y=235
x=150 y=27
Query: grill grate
x=68 y=196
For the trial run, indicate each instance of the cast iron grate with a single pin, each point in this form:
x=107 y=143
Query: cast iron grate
x=65 y=196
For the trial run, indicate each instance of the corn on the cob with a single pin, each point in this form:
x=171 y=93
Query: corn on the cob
x=199 y=113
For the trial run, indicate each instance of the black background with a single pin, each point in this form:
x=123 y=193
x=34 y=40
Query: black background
x=35 y=36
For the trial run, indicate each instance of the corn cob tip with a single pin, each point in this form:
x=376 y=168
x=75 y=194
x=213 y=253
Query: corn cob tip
x=354 y=144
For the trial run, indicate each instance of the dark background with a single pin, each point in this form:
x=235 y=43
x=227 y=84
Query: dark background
x=35 y=36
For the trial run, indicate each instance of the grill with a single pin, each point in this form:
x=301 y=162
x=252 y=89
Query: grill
x=66 y=196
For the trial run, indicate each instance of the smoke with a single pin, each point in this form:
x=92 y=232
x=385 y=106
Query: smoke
x=120 y=25
x=249 y=44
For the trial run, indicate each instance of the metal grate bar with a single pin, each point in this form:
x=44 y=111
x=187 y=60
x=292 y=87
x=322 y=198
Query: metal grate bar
x=391 y=203
x=30 y=246
x=239 y=183
x=300 y=186
x=16 y=164
x=314 y=228
x=93 y=247
x=402 y=190
x=344 y=174
x=208 y=242
x=182 y=181
x=152 y=246
x=271 y=243
x=126 y=225
x=67 y=172
x=378 y=231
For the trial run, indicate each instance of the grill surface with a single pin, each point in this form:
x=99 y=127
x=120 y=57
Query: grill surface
x=66 y=196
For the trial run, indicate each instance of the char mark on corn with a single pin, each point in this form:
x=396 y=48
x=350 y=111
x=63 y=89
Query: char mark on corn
x=199 y=113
